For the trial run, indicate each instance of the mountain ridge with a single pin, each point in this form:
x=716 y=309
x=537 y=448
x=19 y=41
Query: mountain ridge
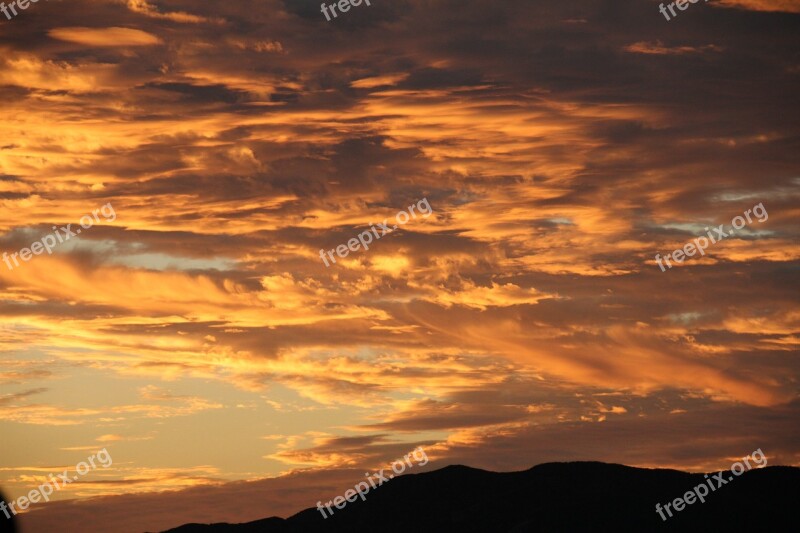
x=574 y=496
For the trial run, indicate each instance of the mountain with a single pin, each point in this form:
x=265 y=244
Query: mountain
x=579 y=496
x=7 y=525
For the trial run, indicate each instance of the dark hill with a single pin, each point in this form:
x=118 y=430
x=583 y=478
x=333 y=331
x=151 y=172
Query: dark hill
x=583 y=496
x=7 y=525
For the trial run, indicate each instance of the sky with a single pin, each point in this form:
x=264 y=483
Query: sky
x=195 y=333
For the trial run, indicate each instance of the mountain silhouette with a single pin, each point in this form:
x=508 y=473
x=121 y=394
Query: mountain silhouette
x=7 y=524
x=578 y=496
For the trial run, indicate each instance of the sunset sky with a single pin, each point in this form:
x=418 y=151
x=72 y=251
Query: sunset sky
x=231 y=375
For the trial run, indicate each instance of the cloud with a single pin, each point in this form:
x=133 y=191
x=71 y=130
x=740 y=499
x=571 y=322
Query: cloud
x=104 y=37
x=149 y=10
x=10 y=399
x=657 y=48
x=785 y=6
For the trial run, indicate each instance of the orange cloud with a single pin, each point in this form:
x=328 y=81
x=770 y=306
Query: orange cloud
x=104 y=37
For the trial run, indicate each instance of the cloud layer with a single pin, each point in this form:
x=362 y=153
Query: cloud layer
x=561 y=147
